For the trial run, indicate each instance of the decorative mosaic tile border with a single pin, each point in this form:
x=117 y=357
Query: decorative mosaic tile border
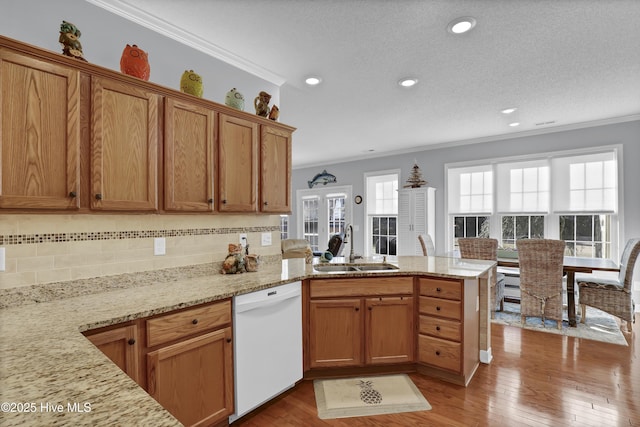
x=26 y=239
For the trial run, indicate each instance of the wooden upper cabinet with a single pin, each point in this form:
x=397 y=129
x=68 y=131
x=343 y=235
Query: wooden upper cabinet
x=39 y=134
x=275 y=170
x=188 y=157
x=124 y=146
x=237 y=164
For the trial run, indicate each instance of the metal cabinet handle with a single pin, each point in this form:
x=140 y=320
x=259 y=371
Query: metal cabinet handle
x=437 y=328
x=194 y=321
x=438 y=289
x=72 y=194
x=98 y=196
x=438 y=308
x=228 y=339
x=224 y=201
x=210 y=201
x=437 y=353
x=266 y=203
x=131 y=341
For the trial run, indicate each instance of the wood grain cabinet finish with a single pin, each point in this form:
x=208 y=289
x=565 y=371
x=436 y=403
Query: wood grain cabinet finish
x=124 y=144
x=188 y=157
x=237 y=164
x=275 y=170
x=39 y=133
x=448 y=345
x=193 y=379
x=360 y=322
x=121 y=345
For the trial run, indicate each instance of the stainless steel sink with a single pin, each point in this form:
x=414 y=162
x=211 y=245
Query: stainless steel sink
x=354 y=267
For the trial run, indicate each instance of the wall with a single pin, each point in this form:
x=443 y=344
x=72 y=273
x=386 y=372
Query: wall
x=59 y=247
x=432 y=163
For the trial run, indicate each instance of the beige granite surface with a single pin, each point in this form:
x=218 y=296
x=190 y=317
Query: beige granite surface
x=47 y=366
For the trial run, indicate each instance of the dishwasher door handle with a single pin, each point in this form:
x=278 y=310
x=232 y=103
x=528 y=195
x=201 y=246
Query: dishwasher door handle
x=268 y=301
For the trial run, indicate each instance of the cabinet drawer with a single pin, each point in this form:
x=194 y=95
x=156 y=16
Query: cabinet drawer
x=448 y=289
x=376 y=286
x=441 y=353
x=441 y=308
x=441 y=328
x=187 y=322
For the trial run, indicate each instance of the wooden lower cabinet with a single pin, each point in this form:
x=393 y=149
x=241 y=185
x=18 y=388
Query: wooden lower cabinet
x=185 y=378
x=187 y=356
x=448 y=343
x=360 y=322
x=121 y=345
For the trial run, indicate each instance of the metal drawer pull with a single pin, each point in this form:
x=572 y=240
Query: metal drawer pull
x=194 y=321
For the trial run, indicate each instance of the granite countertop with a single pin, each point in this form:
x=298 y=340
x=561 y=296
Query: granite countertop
x=47 y=366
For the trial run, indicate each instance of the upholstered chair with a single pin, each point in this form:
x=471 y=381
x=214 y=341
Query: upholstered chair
x=427 y=245
x=612 y=295
x=541 y=274
x=485 y=249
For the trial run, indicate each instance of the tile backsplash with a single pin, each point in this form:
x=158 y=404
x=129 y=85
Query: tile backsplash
x=56 y=248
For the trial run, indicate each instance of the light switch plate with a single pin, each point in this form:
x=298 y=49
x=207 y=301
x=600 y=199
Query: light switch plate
x=266 y=239
x=159 y=246
x=2 y=261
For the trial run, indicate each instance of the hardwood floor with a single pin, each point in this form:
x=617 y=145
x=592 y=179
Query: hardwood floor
x=535 y=379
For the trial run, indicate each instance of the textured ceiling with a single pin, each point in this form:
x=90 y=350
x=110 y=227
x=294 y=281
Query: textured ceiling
x=562 y=63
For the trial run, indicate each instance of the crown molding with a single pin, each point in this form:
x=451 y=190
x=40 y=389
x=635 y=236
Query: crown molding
x=165 y=28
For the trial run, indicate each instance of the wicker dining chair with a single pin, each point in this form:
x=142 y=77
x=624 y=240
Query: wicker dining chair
x=428 y=249
x=541 y=274
x=612 y=295
x=485 y=249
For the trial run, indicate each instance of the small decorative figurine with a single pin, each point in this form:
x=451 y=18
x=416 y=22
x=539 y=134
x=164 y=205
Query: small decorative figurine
x=234 y=99
x=261 y=103
x=135 y=62
x=234 y=262
x=415 y=179
x=191 y=83
x=70 y=40
x=274 y=113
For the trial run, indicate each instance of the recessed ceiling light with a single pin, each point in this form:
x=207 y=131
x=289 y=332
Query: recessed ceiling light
x=407 y=82
x=514 y=124
x=508 y=110
x=313 y=80
x=461 y=25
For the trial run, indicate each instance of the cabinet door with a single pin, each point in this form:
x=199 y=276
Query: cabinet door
x=389 y=330
x=193 y=379
x=39 y=134
x=335 y=333
x=188 y=157
x=121 y=346
x=123 y=147
x=275 y=170
x=237 y=165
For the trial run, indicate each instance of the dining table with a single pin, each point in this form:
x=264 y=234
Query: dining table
x=571 y=266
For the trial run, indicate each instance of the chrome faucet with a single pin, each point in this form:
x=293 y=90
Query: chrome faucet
x=349 y=233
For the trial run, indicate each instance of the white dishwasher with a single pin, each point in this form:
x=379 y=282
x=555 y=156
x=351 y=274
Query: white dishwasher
x=267 y=329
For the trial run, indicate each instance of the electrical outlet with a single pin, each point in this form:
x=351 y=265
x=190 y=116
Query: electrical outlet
x=159 y=246
x=2 y=261
x=266 y=239
x=243 y=240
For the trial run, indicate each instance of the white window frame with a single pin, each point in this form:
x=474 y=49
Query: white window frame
x=368 y=235
x=552 y=218
x=323 y=193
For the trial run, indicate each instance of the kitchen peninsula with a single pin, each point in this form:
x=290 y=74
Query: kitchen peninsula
x=54 y=375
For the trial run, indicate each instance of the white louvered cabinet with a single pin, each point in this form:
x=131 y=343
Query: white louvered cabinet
x=416 y=215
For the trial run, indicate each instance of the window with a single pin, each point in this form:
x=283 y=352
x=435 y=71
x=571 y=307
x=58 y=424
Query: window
x=571 y=195
x=284 y=227
x=382 y=212
x=322 y=212
x=586 y=235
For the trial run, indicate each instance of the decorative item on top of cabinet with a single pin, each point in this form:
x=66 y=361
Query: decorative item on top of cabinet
x=274 y=113
x=234 y=99
x=261 y=103
x=39 y=133
x=191 y=83
x=70 y=40
x=135 y=62
x=415 y=178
